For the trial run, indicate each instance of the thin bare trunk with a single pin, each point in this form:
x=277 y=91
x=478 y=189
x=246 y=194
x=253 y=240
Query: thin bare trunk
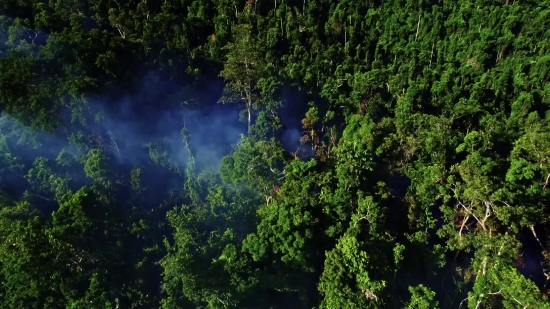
x=346 y=32
x=40 y=197
x=431 y=55
x=249 y=116
x=116 y=147
x=417 y=28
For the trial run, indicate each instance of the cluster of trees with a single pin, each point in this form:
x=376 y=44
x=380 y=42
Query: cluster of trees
x=420 y=177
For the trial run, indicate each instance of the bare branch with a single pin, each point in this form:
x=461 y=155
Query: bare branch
x=366 y=217
x=501 y=247
x=465 y=299
x=462 y=226
x=122 y=33
x=471 y=213
x=532 y=228
x=66 y=133
x=478 y=304
x=40 y=197
x=481 y=296
x=487 y=214
x=517 y=301
x=115 y=145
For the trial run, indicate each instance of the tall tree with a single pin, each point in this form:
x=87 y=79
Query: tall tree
x=242 y=69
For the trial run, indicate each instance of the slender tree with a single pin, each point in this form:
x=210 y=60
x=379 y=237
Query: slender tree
x=242 y=70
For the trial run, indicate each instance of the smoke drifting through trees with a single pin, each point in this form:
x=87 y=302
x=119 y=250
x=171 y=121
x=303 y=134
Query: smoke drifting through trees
x=122 y=131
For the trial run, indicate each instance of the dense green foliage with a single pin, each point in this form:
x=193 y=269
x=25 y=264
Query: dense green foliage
x=420 y=177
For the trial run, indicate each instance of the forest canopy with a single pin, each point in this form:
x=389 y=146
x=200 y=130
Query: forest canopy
x=274 y=154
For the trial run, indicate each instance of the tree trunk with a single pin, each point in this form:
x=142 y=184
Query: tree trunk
x=249 y=106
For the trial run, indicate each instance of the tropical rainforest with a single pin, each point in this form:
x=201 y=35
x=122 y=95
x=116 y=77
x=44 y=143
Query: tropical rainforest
x=274 y=154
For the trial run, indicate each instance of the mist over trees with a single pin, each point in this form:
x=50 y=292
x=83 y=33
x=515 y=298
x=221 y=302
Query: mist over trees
x=274 y=154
